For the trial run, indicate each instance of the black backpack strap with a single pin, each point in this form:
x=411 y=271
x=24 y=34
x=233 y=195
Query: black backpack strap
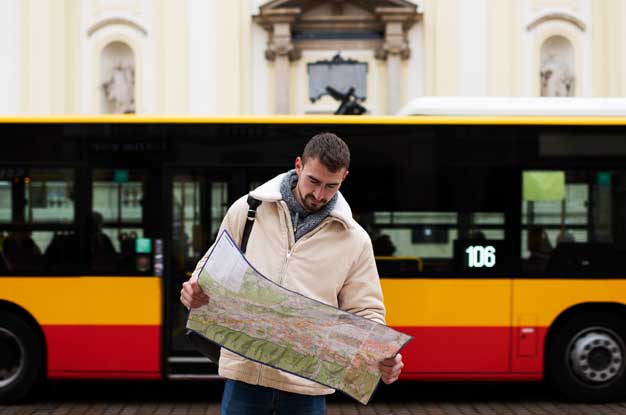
x=253 y=204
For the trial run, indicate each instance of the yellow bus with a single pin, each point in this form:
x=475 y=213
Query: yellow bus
x=499 y=240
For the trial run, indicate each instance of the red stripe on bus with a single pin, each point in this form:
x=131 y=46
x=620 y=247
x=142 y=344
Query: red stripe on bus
x=457 y=349
x=103 y=375
x=113 y=349
x=485 y=351
x=521 y=377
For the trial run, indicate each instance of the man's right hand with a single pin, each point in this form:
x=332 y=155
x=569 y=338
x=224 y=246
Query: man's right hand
x=191 y=294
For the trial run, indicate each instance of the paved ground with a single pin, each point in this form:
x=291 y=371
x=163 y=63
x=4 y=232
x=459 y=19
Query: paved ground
x=202 y=398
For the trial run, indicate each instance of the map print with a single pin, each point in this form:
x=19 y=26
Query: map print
x=252 y=316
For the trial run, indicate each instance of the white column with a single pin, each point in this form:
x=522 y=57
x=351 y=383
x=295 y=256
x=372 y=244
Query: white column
x=393 y=51
x=85 y=44
x=622 y=46
x=260 y=74
x=58 y=58
x=174 y=57
x=148 y=91
x=472 y=47
x=393 y=83
x=202 y=57
x=281 y=48
x=586 y=83
x=417 y=64
x=528 y=69
x=10 y=57
x=37 y=46
x=282 y=84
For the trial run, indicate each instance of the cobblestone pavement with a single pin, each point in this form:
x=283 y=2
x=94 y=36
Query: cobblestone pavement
x=203 y=398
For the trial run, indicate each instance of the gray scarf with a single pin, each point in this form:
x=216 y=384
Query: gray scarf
x=302 y=220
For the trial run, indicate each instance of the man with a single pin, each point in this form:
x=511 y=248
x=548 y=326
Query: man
x=305 y=239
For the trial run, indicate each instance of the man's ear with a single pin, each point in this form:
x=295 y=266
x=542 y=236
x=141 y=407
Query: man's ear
x=299 y=165
x=345 y=175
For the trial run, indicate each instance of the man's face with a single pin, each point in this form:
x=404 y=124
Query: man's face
x=316 y=184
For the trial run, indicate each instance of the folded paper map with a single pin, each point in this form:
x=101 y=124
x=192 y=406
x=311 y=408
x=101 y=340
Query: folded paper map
x=258 y=319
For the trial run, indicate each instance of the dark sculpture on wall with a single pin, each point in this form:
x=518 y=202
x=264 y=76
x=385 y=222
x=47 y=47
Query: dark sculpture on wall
x=349 y=103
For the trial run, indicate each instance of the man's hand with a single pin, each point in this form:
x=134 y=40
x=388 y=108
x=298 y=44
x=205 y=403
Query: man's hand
x=390 y=368
x=191 y=294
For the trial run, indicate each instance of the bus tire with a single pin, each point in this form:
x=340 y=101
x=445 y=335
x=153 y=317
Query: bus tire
x=21 y=358
x=585 y=361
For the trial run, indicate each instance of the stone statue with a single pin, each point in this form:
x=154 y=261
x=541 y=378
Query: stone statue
x=557 y=79
x=119 y=89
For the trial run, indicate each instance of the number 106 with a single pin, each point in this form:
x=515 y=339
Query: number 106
x=481 y=256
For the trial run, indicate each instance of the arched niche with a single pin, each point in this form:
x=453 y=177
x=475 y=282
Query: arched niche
x=117 y=79
x=557 y=72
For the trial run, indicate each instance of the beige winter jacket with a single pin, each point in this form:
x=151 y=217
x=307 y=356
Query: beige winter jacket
x=334 y=264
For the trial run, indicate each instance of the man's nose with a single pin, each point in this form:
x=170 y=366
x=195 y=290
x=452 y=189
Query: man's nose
x=319 y=193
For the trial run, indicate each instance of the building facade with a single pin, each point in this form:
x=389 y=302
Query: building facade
x=213 y=57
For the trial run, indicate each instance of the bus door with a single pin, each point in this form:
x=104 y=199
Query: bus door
x=197 y=202
x=198 y=199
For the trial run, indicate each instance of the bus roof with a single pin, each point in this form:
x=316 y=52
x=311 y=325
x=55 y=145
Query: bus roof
x=515 y=106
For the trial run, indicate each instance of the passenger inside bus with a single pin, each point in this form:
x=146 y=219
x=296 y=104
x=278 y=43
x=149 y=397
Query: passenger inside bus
x=21 y=252
x=383 y=246
x=103 y=254
x=565 y=236
x=540 y=250
x=63 y=252
x=126 y=261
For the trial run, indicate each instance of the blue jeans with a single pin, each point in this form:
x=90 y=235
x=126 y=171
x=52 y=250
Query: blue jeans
x=244 y=399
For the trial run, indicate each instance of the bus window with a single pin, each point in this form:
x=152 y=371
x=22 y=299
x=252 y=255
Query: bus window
x=37 y=214
x=5 y=201
x=36 y=195
x=194 y=230
x=571 y=222
x=116 y=222
x=410 y=243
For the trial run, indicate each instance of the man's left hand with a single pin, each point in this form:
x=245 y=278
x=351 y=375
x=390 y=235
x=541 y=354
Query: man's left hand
x=390 y=369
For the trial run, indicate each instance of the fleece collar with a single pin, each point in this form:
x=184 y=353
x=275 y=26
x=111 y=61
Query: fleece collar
x=270 y=192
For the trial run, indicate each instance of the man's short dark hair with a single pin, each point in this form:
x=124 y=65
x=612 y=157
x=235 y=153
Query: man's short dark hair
x=329 y=149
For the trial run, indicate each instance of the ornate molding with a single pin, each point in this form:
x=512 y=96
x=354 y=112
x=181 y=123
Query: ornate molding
x=281 y=18
x=384 y=51
x=278 y=23
x=116 y=20
x=405 y=15
x=397 y=21
x=557 y=16
x=273 y=50
x=268 y=17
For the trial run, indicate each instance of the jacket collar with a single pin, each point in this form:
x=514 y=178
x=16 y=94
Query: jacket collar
x=270 y=192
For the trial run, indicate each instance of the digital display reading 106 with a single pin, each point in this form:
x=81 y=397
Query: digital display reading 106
x=477 y=256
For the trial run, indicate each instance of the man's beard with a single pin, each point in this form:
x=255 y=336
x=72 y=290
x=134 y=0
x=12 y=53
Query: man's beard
x=310 y=205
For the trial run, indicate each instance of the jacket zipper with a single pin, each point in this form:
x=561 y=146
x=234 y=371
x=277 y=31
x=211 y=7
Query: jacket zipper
x=291 y=246
x=290 y=237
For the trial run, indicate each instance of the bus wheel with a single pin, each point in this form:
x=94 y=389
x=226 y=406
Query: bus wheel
x=20 y=358
x=586 y=358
